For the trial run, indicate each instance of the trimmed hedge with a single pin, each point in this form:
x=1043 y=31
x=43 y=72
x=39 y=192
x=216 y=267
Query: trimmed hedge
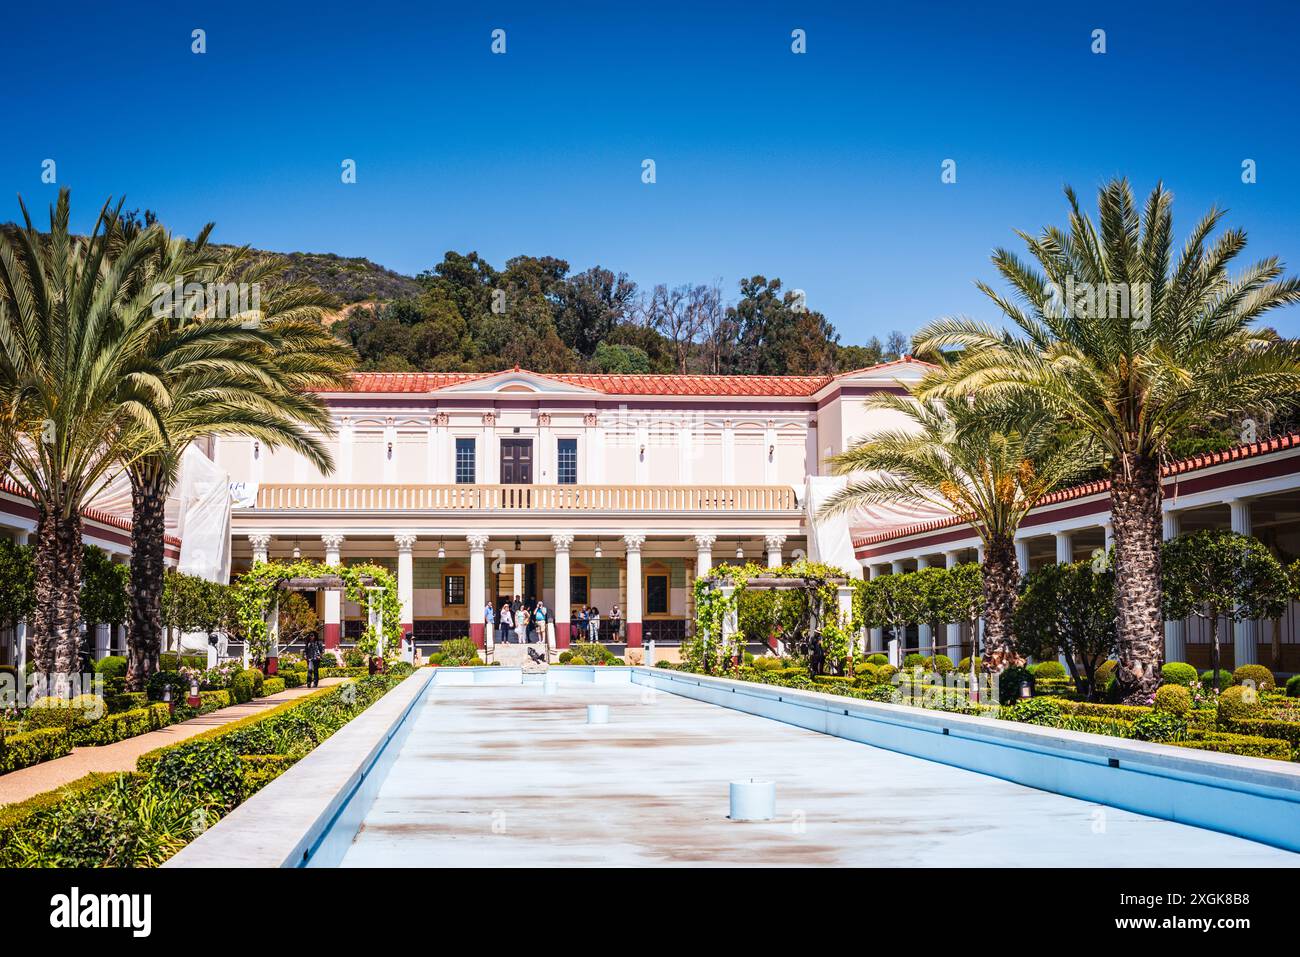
x=293 y=678
x=272 y=686
x=1178 y=673
x=1239 y=702
x=214 y=701
x=1288 y=731
x=261 y=769
x=13 y=815
x=126 y=724
x=1174 y=699
x=23 y=750
x=1261 y=676
x=127 y=701
x=1243 y=744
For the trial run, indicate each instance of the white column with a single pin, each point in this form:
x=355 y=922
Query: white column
x=897 y=567
x=634 y=543
x=704 y=554
x=1175 y=639
x=333 y=598
x=950 y=560
x=1245 y=634
x=477 y=581
x=774 y=543
x=1064 y=548
x=562 y=542
x=877 y=634
x=1022 y=555
x=406 y=580
x=924 y=630
x=261 y=545
x=517 y=580
x=1108 y=530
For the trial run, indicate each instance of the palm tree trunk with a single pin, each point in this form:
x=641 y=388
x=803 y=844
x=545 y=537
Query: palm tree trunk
x=56 y=621
x=1135 y=496
x=1001 y=574
x=144 y=630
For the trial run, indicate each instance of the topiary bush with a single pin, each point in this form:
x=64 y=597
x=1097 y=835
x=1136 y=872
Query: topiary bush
x=1009 y=681
x=942 y=664
x=259 y=680
x=458 y=651
x=577 y=660
x=1293 y=686
x=1049 y=669
x=914 y=660
x=885 y=673
x=1178 y=673
x=1105 y=670
x=877 y=659
x=964 y=665
x=1239 y=701
x=241 y=688
x=1174 y=699
x=112 y=666
x=1207 y=679
x=1261 y=676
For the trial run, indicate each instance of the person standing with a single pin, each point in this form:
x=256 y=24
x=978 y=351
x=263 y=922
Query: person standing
x=505 y=624
x=521 y=620
x=581 y=621
x=489 y=619
x=593 y=624
x=539 y=620
x=313 y=651
x=615 y=623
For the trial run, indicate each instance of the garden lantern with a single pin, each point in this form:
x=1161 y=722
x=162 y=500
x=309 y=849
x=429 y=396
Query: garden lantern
x=167 y=700
x=194 y=700
x=1025 y=692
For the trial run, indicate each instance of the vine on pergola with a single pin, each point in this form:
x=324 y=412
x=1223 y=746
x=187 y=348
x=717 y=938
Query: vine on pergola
x=255 y=591
x=798 y=606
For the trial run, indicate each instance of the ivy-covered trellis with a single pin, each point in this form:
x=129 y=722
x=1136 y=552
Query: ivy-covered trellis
x=370 y=586
x=804 y=610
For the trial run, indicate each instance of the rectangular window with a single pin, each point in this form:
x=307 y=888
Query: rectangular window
x=465 y=471
x=566 y=469
x=578 y=590
x=656 y=594
x=453 y=590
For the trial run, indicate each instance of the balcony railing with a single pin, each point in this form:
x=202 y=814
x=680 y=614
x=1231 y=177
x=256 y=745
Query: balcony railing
x=528 y=498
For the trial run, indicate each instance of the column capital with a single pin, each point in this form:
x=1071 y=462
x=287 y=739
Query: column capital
x=405 y=541
x=333 y=540
x=634 y=542
x=774 y=541
x=704 y=542
x=259 y=541
x=477 y=541
x=562 y=541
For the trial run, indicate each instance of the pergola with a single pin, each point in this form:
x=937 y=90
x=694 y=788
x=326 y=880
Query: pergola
x=318 y=583
x=728 y=587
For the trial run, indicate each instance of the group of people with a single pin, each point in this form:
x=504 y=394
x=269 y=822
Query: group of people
x=587 y=621
x=519 y=621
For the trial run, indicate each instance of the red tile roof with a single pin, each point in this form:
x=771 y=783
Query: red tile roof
x=652 y=384
x=93 y=514
x=1181 y=467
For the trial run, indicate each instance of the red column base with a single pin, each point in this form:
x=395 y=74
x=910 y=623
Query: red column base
x=408 y=629
x=476 y=633
x=332 y=634
x=634 y=634
x=272 y=666
x=562 y=634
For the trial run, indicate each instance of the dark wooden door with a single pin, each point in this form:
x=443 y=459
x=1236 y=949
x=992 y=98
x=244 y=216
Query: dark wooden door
x=516 y=461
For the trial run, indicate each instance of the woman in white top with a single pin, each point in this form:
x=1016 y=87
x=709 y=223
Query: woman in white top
x=505 y=623
x=593 y=624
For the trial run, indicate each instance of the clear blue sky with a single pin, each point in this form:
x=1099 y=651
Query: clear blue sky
x=822 y=169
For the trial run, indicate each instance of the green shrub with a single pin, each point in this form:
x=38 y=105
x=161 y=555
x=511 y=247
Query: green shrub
x=866 y=668
x=1239 y=702
x=1009 y=681
x=1160 y=726
x=272 y=686
x=1242 y=744
x=293 y=678
x=1049 y=669
x=112 y=666
x=457 y=650
x=241 y=688
x=208 y=770
x=214 y=701
x=259 y=680
x=32 y=747
x=884 y=693
x=914 y=660
x=1293 y=686
x=577 y=660
x=1046 y=711
x=67 y=713
x=877 y=659
x=1261 y=676
x=1173 y=699
x=885 y=673
x=832 y=680
x=1178 y=673
x=565 y=657
x=261 y=769
x=941 y=664
x=160 y=681
x=127 y=701
x=1288 y=731
x=1207 y=679
x=593 y=652
x=125 y=724
x=352 y=658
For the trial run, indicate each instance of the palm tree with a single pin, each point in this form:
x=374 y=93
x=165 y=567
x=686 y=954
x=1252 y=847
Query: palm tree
x=248 y=374
x=1131 y=345
x=76 y=379
x=981 y=461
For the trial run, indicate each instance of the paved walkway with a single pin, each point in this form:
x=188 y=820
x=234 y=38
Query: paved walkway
x=120 y=756
x=512 y=776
